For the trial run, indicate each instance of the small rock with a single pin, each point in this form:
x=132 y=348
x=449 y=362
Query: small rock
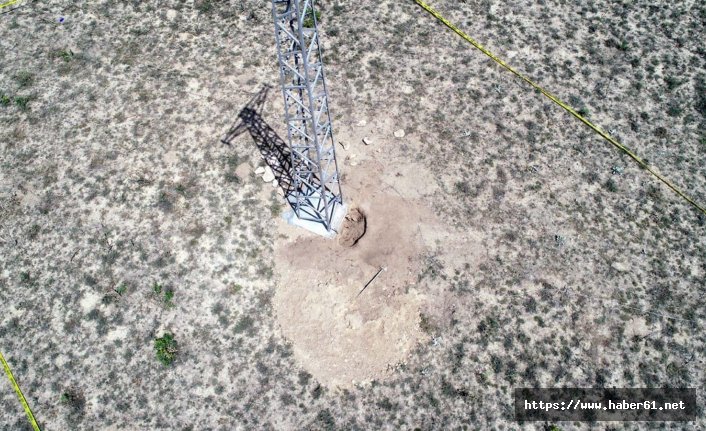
x=260 y=170
x=618 y=266
x=275 y=183
x=268 y=176
x=399 y=133
x=171 y=14
x=367 y=141
x=362 y=123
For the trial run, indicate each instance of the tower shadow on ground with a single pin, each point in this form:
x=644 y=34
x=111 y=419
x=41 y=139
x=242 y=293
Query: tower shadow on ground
x=273 y=149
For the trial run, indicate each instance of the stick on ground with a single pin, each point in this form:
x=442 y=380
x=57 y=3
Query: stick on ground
x=371 y=280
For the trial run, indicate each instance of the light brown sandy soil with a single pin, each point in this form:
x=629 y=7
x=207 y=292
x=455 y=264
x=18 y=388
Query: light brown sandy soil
x=341 y=334
x=352 y=228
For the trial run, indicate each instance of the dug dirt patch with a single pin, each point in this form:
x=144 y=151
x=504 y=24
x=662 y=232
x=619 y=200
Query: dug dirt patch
x=353 y=228
x=340 y=337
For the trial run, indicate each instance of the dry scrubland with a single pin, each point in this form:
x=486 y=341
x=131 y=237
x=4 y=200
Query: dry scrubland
x=570 y=265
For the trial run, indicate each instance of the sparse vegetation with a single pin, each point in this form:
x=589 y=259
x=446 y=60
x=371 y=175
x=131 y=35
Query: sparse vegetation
x=25 y=277
x=672 y=82
x=204 y=6
x=166 y=347
x=74 y=401
x=309 y=18
x=463 y=187
x=166 y=295
x=425 y=324
x=165 y=201
x=125 y=223
x=65 y=54
x=232 y=178
x=22 y=103
x=244 y=324
x=24 y=79
x=33 y=231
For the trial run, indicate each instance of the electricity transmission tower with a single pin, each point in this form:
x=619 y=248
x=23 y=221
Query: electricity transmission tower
x=316 y=196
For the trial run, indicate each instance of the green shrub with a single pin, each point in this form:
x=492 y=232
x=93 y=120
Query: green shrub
x=24 y=78
x=309 y=18
x=425 y=324
x=672 y=82
x=204 y=6
x=496 y=363
x=463 y=188
x=74 y=400
x=22 y=103
x=244 y=324
x=65 y=54
x=25 y=277
x=33 y=231
x=164 y=202
x=166 y=348
x=167 y=294
x=674 y=110
x=231 y=177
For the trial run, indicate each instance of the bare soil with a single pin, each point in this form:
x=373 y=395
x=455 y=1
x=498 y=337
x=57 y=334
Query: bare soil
x=339 y=333
x=353 y=228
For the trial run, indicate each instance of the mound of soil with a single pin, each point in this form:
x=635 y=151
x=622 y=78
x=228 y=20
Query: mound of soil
x=337 y=335
x=354 y=226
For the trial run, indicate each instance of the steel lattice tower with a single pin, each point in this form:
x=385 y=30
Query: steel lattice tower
x=316 y=195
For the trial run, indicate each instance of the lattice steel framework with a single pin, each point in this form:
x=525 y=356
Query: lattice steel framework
x=316 y=193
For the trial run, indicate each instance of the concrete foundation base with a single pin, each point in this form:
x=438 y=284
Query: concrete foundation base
x=317 y=227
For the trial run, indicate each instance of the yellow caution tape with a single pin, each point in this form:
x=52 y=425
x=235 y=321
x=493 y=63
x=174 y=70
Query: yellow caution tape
x=559 y=102
x=9 y=3
x=19 y=394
